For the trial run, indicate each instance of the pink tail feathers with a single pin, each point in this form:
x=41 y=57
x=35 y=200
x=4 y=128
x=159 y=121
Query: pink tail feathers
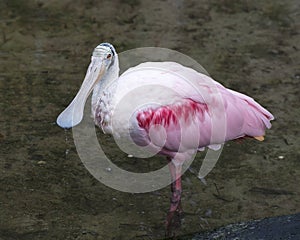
x=257 y=118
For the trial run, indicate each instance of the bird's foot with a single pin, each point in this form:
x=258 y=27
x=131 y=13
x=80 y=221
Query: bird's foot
x=173 y=222
x=175 y=215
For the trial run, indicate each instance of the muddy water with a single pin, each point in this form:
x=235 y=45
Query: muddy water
x=45 y=191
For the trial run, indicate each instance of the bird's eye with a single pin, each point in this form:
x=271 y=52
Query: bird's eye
x=108 y=56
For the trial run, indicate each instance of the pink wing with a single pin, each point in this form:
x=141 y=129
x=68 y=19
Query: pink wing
x=190 y=120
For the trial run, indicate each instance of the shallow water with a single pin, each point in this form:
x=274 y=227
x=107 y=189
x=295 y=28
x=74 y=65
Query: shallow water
x=45 y=47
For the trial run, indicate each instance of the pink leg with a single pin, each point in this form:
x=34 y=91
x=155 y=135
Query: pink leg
x=173 y=218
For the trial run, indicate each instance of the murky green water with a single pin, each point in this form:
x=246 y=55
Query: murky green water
x=45 y=191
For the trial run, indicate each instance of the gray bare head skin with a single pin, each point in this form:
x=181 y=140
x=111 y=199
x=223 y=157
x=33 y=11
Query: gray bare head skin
x=104 y=48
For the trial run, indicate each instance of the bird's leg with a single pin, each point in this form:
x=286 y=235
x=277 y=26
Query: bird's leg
x=174 y=216
x=175 y=187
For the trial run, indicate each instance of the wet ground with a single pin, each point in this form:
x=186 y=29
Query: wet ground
x=45 y=46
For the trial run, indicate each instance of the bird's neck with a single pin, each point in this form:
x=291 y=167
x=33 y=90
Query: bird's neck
x=111 y=75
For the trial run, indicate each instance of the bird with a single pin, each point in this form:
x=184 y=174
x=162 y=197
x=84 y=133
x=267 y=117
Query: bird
x=173 y=109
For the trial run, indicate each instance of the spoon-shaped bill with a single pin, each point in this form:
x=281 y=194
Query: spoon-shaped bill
x=73 y=114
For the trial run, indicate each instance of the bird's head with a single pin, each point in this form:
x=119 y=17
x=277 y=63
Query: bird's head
x=105 y=53
x=102 y=60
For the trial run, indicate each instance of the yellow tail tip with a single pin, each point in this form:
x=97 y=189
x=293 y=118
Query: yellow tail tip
x=260 y=138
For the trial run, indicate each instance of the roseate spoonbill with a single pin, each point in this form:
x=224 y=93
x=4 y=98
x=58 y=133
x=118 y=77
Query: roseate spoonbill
x=188 y=102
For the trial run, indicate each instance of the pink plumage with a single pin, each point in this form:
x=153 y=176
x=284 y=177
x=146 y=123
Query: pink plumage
x=169 y=114
x=244 y=118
